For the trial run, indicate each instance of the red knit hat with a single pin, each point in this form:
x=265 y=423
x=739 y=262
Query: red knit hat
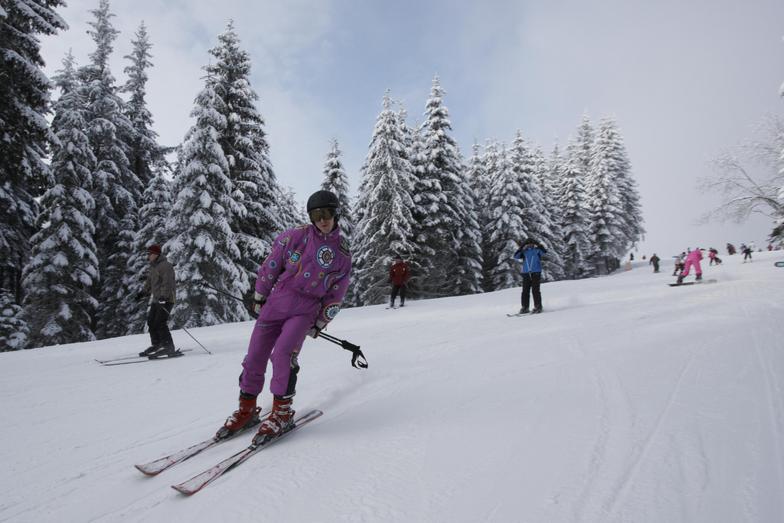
x=154 y=249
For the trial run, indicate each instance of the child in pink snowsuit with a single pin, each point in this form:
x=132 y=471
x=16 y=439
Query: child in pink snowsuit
x=299 y=290
x=692 y=259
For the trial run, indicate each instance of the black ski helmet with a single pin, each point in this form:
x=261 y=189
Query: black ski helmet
x=321 y=199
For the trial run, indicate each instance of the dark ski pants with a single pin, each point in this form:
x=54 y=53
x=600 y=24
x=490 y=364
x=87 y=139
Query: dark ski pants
x=531 y=281
x=655 y=267
x=157 y=319
x=398 y=289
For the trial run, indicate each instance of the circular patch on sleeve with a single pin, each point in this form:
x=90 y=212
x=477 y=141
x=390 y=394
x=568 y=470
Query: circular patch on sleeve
x=332 y=311
x=306 y=275
x=272 y=264
x=295 y=256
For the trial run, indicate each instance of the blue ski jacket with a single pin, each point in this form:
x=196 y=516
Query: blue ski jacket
x=531 y=258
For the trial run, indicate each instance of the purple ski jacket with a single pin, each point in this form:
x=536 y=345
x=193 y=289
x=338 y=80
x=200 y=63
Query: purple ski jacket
x=306 y=263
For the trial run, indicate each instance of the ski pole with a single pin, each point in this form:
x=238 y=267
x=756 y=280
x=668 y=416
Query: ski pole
x=194 y=339
x=358 y=360
x=222 y=292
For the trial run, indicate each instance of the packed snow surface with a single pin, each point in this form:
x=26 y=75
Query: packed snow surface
x=627 y=400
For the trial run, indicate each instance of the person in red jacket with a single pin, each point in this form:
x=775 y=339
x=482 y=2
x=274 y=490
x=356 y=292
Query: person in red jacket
x=398 y=277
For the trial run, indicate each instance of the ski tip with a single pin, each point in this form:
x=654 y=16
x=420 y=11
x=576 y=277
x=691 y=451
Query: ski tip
x=182 y=490
x=149 y=473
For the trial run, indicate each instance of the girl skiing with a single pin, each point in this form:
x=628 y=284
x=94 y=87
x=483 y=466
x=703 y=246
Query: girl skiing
x=299 y=290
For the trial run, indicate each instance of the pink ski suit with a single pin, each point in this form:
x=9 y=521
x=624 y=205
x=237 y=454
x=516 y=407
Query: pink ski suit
x=693 y=258
x=304 y=280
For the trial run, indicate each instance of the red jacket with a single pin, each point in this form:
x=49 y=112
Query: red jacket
x=399 y=273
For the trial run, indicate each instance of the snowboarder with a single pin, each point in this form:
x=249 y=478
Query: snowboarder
x=160 y=285
x=713 y=255
x=655 y=262
x=746 y=250
x=299 y=290
x=692 y=260
x=398 y=277
x=530 y=256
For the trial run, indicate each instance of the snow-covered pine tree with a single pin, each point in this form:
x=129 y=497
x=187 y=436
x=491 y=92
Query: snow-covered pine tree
x=244 y=143
x=530 y=196
x=468 y=274
x=603 y=205
x=610 y=146
x=203 y=248
x=574 y=220
x=507 y=225
x=24 y=103
x=290 y=211
x=385 y=204
x=441 y=202
x=549 y=228
x=13 y=328
x=63 y=265
x=153 y=230
x=424 y=197
x=491 y=163
x=336 y=180
x=144 y=149
x=583 y=146
x=479 y=180
x=116 y=188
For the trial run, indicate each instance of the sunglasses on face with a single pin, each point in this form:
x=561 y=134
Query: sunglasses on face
x=324 y=213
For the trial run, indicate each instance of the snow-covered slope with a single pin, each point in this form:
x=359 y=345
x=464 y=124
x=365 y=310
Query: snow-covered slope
x=628 y=400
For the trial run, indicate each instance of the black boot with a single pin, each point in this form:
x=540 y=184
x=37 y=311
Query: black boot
x=164 y=352
x=149 y=350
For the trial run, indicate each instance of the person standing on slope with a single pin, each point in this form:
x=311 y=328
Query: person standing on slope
x=692 y=260
x=398 y=276
x=160 y=285
x=299 y=290
x=530 y=257
x=655 y=262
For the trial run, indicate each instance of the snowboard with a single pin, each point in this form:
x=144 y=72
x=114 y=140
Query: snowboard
x=692 y=283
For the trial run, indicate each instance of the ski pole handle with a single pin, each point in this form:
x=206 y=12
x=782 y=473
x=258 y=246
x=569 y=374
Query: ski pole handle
x=358 y=360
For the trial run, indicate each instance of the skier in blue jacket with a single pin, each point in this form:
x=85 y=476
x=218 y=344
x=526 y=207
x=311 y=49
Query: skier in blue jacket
x=530 y=257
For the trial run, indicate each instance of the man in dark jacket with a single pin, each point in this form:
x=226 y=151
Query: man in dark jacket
x=160 y=284
x=530 y=256
x=398 y=276
x=655 y=262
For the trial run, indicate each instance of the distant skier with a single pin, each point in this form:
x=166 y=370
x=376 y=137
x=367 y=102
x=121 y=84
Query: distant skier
x=299 y=290
x=655 y=262
x=692 y=260
x=160 y=284
x=399 y=274
x=530 y=256
x=730 y=249
x=713 y=255
x=746 y=250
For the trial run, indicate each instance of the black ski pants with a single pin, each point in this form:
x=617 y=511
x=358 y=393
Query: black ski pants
x=157 y=321
x=398 y=289
x=531 y=281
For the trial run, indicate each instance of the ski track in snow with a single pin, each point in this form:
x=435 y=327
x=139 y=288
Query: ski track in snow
x=628 y=401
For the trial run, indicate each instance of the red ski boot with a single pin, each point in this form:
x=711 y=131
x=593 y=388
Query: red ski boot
x=245 y=416
x=280 y=420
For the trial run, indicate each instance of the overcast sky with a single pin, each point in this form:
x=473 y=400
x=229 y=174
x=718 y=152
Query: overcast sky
x=684 y=80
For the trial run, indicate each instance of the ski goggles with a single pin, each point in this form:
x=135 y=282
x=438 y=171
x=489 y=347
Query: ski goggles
x=323 y=213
